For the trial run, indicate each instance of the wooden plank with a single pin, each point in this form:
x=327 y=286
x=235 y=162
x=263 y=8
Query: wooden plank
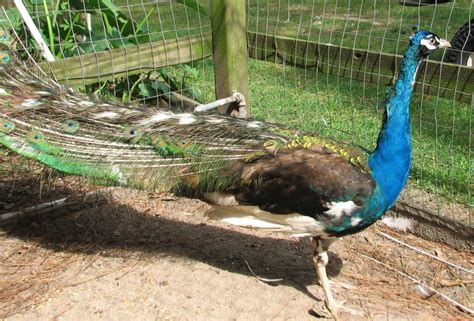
x=434 y=77
x=110 y=64
x=230 y=50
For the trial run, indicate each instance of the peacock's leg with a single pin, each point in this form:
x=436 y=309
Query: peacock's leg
x=320 y=260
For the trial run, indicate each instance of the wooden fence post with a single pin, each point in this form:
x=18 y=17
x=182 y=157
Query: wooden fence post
x=7 y=4
x=229 y=41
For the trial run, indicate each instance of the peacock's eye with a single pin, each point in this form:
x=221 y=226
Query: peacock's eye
x=432 y=41
x=6 y=126
x=70 y=126
x=132 y=133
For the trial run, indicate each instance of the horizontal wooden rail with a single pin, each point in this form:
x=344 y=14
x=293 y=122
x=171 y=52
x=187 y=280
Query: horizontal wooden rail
x=110 y=64
x=434 y=77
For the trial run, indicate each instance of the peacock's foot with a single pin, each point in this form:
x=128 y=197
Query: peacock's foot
x=337 y=307
x=334 y=309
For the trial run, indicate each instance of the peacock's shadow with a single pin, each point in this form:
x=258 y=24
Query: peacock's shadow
x=112 y=226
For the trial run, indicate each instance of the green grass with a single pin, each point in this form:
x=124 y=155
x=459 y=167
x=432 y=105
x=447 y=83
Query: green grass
x=363 y=24
x=352 y=111
x=167 y=21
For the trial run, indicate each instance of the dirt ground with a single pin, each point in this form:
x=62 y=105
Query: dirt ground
x=147 y=256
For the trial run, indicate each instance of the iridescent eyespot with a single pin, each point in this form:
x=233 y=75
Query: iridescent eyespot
x=131 y=133
x=6 y=126
x=71 y=126
x=35 y=136
x=6 y=58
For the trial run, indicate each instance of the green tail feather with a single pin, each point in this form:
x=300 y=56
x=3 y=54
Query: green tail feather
x=136 y=147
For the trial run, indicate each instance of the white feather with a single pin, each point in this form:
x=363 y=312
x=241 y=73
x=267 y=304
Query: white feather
x=86 y=103
x=252 y=222
x=254 y=217
x=221 y=199
x=254 y=124
x=426 y=43
x=156 y=118
x=185 y=119
x=105 y=114
x=400 y=224
x=337 y=209
x=30 y=102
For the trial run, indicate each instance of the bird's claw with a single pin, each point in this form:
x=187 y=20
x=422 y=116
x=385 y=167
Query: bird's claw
x=336 y=307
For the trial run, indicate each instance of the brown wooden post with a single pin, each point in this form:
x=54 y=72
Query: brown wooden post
x=7 y=4
x=229 y=40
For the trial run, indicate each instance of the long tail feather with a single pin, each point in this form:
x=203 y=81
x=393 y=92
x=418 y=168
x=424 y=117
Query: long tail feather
x=117 y=143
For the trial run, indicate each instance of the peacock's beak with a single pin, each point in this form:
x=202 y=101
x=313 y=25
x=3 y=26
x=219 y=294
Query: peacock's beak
x=444 y=44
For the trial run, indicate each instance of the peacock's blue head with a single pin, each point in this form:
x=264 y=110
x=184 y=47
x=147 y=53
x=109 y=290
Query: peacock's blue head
x=427 y=42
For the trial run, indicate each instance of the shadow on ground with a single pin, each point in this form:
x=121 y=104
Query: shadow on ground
x=120 y=230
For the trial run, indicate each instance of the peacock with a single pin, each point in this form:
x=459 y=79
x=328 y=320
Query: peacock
x=256 y=174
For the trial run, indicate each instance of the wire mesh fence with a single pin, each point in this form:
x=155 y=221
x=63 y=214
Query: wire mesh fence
x=322 y=66
x=344 y=96
x=117 y=46
x=158 y=52
x=133 y=52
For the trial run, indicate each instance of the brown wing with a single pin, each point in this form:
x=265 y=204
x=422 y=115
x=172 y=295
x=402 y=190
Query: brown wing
x=303 y=181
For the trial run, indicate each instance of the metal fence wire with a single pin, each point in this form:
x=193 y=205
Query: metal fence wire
x=322 y=66
x=319 y=65
x=338 y=86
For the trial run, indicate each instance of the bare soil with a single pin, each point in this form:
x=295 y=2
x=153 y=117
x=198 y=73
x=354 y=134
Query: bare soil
x=135 y=255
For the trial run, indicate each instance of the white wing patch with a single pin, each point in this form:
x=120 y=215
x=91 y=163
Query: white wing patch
x=252 y=222
x=254 y=217
x=337 y=209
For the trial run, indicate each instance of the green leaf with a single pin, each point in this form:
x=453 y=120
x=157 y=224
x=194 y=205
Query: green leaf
x=161 y=87
x=146 y=90
x=163 y=71
x=195 y=93
x=38 y=2
x=100 y=45
x=194 y=5
x=14 y=15
x=190 y=72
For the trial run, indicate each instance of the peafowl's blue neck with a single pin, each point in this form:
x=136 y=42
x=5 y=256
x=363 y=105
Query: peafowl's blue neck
x=390 y=161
